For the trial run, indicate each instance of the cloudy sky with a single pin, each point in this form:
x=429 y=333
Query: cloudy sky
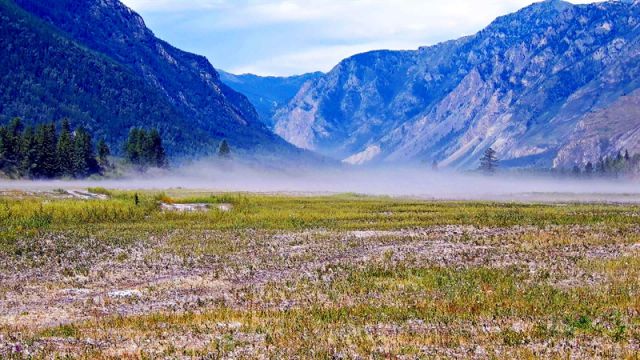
x=285 y=37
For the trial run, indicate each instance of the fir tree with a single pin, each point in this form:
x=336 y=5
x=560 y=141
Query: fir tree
x=11 y=145
x=132 y=146
x=29 y=152
x=145 y=149
x=489 y=161
x=41 y=153
x=224 y=151
x=588 y=169
x=65 y=150
x=155 y=142
x=103 y=153
x=84 y=159
x=45 y=165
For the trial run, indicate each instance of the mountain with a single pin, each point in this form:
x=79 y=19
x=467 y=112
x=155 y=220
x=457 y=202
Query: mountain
x=541 y=86
x=96 y=62
x=267 y=93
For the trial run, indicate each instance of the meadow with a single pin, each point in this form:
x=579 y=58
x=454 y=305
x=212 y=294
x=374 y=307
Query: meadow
x=335 y=276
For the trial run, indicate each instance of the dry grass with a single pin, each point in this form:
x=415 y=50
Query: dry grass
x=316 y=277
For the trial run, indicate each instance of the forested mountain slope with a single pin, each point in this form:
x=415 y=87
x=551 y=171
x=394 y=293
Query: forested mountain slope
x=95 y=62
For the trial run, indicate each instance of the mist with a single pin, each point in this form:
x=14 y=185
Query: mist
x=396 y=181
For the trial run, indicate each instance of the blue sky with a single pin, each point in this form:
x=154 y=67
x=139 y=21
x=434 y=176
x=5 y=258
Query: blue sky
x=286 y=37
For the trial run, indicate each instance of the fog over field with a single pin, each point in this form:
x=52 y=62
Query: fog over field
x=392 y=181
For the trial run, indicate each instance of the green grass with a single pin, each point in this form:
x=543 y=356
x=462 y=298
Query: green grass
x=294 y=213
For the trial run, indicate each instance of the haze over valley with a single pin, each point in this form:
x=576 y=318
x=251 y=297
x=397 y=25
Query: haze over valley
x=442 y=179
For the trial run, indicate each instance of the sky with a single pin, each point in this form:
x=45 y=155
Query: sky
x=288 y=37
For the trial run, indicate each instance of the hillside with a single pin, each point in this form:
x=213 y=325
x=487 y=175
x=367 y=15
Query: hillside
x=95 y=62
x=267 y=93
x=526 y=86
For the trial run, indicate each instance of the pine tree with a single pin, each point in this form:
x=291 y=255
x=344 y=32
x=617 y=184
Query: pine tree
x=29 y=154
x=84 y=159
x=11 y=141
x=588 y=169
x=65 y=150
x=45 y=164
x=147 y=155
x=145 y=149
x=155 y=142
x=3 y=141
x=51 y=156
x=224 y=151
x=103 y=154
x=132 y=147
x=489 y=161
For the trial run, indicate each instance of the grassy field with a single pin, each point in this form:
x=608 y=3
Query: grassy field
x=342 y=276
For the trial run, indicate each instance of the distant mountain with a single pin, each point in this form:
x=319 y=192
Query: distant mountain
x=267 y=93
x=95 y=62
x=552 y=84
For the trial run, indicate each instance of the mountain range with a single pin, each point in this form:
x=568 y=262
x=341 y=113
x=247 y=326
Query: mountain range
x=267 y=93
x=96 y=63
x=554 y=84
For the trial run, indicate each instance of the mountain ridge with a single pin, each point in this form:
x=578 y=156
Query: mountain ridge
x=267 y=93
x=180 y=93
x=521 y=85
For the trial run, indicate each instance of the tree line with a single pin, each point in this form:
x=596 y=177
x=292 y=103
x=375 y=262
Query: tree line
x=619 y=165
x=144 y=149
x=46 y=152
x=43 y=152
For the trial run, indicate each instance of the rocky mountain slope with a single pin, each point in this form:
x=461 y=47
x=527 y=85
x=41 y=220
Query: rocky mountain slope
x=267 y=93
x=95 y=62
x=539 y=86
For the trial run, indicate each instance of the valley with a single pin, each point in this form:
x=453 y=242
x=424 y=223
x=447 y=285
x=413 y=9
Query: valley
x=315 y=276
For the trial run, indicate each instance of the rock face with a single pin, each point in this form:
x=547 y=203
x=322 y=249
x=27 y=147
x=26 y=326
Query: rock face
x=178 y=92
x=537 y=85
x=267 y=93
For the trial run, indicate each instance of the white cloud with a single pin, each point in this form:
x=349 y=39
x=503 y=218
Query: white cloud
x=321 y=58
x=319 y=33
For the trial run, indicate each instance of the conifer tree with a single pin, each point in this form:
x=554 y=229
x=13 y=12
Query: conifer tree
x=29 y=154
x=84 y=159
x=489 y=161
x=65 y=150
x=224 y=151
x=45 y=165
x=155 y=142
x=588 y=169
x=145 y=149
x=11 y=141
x=132 y=147
x=103 y=153
x=3 y=140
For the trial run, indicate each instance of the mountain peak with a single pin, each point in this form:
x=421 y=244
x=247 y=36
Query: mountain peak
x=520 y=86
x=174 y=90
